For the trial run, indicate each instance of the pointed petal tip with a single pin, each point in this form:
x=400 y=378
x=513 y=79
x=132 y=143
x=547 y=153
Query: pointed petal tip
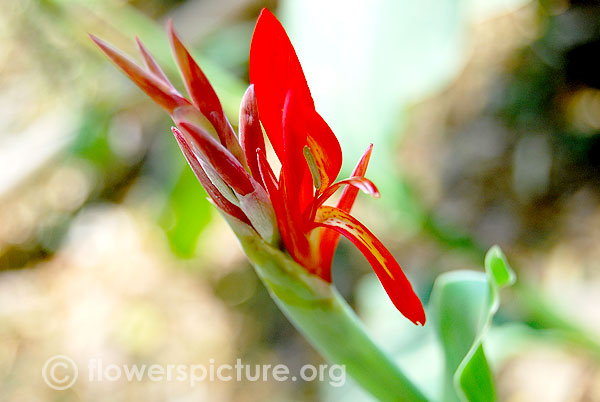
x=410 y=306
x=266 y=12
x=140 y=45
x=103 y=45
x=413 y=310
x=99 y=42
x=249 y=92
x=375 y=191
x=420 y=320
x=178 y=135
x=171 y=32
x=173 y=38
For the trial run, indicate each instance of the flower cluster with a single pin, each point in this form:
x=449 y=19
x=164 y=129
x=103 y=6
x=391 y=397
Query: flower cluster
x=287 y=209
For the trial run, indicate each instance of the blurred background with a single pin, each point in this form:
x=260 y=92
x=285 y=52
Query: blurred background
x=486 y=122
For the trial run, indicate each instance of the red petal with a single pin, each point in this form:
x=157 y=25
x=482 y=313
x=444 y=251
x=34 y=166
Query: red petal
x=295 y=186
x=293 y=237
x=274 y=70
x=210 y=188
x=299 y=246
x=153 y=86
x=293 y=164
x=151 y=63
x=329 y=239
x=229 y=168
x=251 y=135
x=203 y=94
x=385 y=266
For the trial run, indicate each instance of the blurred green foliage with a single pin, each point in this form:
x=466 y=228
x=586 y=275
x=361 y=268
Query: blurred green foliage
x=462 y=306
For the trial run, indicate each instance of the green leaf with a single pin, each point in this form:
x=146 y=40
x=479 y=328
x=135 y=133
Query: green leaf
x=462 y=306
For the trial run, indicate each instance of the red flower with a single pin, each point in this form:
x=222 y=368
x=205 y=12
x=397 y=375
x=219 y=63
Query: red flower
x=237 y=175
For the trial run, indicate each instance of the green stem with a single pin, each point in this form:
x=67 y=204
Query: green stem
x=334 y=330
x=318 y=311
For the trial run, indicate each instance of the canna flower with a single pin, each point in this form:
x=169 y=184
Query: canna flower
x=286 y=209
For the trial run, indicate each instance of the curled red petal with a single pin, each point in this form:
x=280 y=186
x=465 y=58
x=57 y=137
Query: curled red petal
x=153 y=86
x=218 y=198
x=329 y=239
x=228 y=167
x=385 y=266
x=203 y=95
x=251 y=135
x=358 y=182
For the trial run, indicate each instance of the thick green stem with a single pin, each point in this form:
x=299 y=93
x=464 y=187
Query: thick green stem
x=334 y=330
x=318 y=311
